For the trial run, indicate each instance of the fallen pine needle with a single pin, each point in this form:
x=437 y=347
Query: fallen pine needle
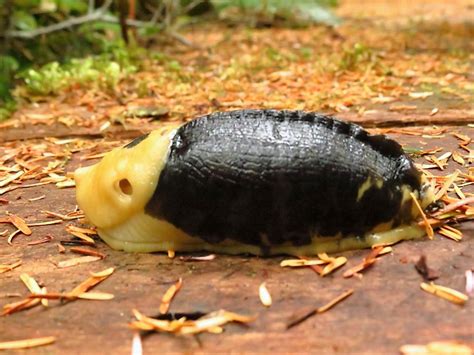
x=65 y=217
x=83 y=237
x=37 y=198
x=33 y=286
x=19 y=223
x=458 y=191
x=336 y=263
x=12 y=236
x=44 y=223
x=264 y=295
x=26 y=343
x=454 y=206
x=30 y=283
x=322 y=309
x=429 y=229
x=19 y=306
x=9 y=267
x=198 y=258
x=445 y=292
x=85 y=251
x=95 y=279
x=335 y=301
x=301 y=262
x=81 y=291
x=469 y=282
x=137 y=347
x=211 y=322
x=446 y=185
x=96 y=296
x=77 y=261
x=168 y=296
x=72 y=228
x=45 y=239
x=367 y=262
x=436 y=348
x=11 y=188
x=10 y=178
x=446 y=232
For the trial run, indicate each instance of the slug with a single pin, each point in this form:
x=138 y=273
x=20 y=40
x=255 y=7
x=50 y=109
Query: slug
x=263 y=182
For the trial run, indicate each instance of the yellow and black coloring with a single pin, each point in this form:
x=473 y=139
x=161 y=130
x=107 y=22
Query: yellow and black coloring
x=255 y=181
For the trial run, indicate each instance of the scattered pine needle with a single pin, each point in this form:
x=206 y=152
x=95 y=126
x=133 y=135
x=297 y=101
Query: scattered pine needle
x=437 y=348
x=77 y=261
x=12 y=236
x=9 y=267
x=446 y=185
x=450 y=233
x=65 y=217
x=322 y=309
x=45 y=239
x=137 y=347
x=168 y=296
x=469 y=282
x=92 y=281
x=335 y=301
x=445 y=292
x=429 y=229
x=211 y=322
x=336 y=263
x=454 y=206
x=19 y=223
x=85 y=251
x=10 y=178
x=331 y=263
x=19 y=306
x=81 y=233
x=26 y=343
x=264 y=295
x=44 y=223
x=198 y=258
x=301 y=262
x=23 y=186
x=37 y=198
x=367 y=262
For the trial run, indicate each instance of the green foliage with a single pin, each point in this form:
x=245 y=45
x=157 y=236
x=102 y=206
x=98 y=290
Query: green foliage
x=8 y=66
x=100 y=71
x=47 y=64
x=296 y=12
x=356 y=55
x=7 y=109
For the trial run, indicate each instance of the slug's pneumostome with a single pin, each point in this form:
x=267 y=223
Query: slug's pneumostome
x=255 y=181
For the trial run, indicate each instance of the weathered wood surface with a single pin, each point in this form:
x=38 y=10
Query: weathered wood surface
x=20 y=129
x=386 y=311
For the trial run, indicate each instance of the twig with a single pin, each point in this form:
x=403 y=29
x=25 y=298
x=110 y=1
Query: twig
x=73 y=21
x=192 y=5
x=91 y=7
x=97 y=15
x=322 y=309
x=455 y=205
x=181 y=39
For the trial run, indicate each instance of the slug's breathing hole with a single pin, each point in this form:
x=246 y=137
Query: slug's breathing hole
x=126 y=187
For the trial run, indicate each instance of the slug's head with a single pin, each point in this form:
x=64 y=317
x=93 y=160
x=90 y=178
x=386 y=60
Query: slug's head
x=121 y=184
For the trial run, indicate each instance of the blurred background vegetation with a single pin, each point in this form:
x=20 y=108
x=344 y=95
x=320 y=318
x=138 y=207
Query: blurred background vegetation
x=47 y=45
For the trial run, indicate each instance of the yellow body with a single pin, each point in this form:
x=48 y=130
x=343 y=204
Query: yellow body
x=113 y=195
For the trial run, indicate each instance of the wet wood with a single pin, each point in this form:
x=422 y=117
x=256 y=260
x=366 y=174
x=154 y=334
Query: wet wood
x=378 y=317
